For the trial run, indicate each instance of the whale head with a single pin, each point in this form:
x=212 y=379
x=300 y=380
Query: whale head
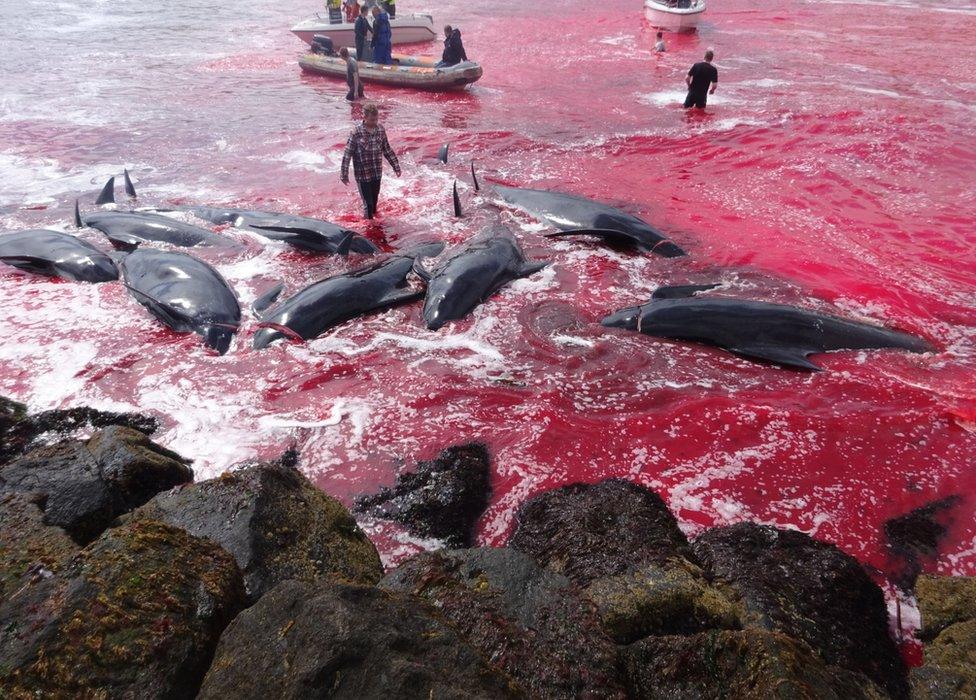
x=624 y=318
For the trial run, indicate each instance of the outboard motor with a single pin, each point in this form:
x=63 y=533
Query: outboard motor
x=323 y=45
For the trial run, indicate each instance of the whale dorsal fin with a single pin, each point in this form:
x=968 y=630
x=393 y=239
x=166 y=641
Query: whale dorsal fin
x=784 y=356
x=474 y=178
x=107 y=195
x=130 y=189
x=457 y=202
x=266 y=299
x=442 y=154
x=78 y=223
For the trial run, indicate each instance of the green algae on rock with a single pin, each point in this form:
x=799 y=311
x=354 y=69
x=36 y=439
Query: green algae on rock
x=276 y=523
x=137 y=613
x=28 y=547
x=948 y=608
x=305 y=640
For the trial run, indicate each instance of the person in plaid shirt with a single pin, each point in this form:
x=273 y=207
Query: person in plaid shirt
x=366 y=147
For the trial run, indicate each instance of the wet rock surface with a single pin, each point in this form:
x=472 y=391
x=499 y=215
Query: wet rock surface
x=743 y=664
x=809 y=590
x=137 y=613
x=591 y=531
x=441 y=498
x=275 y=522
x=19 y=430
x=29 y=549
x=82 y=485
x=312 y=640
x=948 y=609
x=532 y=623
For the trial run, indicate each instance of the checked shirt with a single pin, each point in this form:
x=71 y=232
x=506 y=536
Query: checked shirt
x=366 y=149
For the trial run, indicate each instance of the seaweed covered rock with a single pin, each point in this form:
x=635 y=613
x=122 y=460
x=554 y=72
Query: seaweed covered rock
x=810 y=590
x=948 y=608
x=135 y=614
x=28 y=547
x=620 y=542
x=275 y=522
x=590 y=531
x=306 y=640
x=82 y=485
x=442 y=498
x=943 y=601
x=18 y=430
x=532 y=623
x=743 y=664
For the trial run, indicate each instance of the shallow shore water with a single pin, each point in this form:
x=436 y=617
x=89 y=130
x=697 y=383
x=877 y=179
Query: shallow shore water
x=832 y=170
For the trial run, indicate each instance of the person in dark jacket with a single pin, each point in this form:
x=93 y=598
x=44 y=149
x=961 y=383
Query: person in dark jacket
x=382 y=37
x=352 y=75
x=453 y=48
x=361 y=29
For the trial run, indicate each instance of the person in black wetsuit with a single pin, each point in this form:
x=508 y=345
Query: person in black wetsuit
x=453 y=48
x=702 y=75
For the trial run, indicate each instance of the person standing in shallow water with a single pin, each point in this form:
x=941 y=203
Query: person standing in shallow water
x=702 y=75
x=659 y=47
x=352 y=75
x=366 y=147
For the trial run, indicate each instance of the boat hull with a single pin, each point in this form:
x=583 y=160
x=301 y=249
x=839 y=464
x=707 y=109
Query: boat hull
x=408 y=29
x=674 y=19
x=416 y=72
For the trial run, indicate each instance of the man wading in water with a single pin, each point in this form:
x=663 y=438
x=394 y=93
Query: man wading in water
x=366 y=147
x=701 y=75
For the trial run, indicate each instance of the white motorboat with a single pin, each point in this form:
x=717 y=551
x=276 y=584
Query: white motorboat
x=407 y=29
x=674 y=15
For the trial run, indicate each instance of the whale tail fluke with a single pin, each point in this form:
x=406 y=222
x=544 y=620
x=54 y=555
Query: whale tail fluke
x=78 y=223
x=474 y=178
x=442 y=154
x=107 y=195
x=457 y=202
x=129 y=187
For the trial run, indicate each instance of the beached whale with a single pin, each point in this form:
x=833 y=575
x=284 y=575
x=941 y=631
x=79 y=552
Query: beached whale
x=185 y=293
x=580 y=216
x=128 y=229
x=776 y=333
x=471 y=275
x=303 y=232
x=329 y=302
x=56 y=254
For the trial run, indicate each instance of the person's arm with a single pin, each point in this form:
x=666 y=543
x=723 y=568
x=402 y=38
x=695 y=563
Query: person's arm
x=390 y=155
x=346 y=157
x=688 y=78
x=714 y=84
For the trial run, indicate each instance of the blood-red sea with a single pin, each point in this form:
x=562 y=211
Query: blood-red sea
x=832 y=169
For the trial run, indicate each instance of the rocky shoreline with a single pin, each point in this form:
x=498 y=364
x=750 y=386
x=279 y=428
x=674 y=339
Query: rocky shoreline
x=120 y=577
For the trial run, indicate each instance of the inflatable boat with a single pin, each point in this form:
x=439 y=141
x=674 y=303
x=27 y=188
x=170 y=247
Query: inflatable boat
x=418 y=72
x=407 y=29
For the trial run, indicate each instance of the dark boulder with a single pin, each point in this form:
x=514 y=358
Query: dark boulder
x=621 y=543
x=746 y=664
x=306 y=640
x=914 y=538
x=136 y=614
x=29 y=549
x=591 y=531
x=810 y=590
x=531 y=623
x=18 y=430
x=442 y=498
x=275 y=522
x=83 y=485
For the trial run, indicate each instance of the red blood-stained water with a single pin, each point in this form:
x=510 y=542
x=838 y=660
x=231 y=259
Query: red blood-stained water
x=832 y=169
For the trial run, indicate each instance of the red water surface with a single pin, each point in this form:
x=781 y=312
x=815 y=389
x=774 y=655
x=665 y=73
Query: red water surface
x=832 y=170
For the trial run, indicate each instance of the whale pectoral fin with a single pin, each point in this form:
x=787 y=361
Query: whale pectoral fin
x=399 y=296
x=609 y=234
x=129 y=187
x=107 y=195
x=530 y=268
x=266 y=299
x=345 y=244
x=784 y=356
x=421 y=271
x=30 y=263
x=681 y=291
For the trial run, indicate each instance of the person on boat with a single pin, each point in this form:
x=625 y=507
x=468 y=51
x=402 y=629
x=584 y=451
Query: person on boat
x=702 y=75
x=352 y=75
x=361 y=29
x=366 y=147
x=390 y=6
x=382 y=37
x=453 y=48
x=659 y=47
x=352 y=10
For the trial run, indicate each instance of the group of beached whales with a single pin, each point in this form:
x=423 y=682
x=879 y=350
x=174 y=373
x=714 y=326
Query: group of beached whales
x=189 y=295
